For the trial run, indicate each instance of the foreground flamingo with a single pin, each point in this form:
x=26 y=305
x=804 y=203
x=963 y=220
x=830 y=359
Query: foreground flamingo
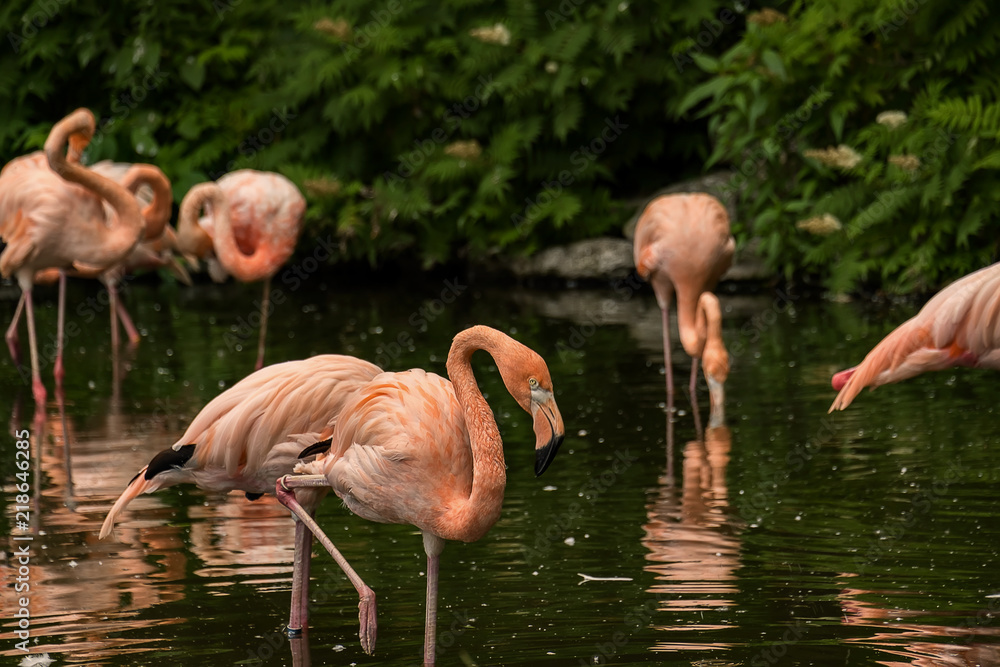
x=252 y=434
x=959 y=326
x=682 y=244
x=58 y=218
x=413 y=448
x=256 y=238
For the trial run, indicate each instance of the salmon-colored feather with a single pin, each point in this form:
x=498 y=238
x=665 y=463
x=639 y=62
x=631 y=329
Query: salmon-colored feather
x=417 y=449
x=683 y=247
x=959 y=326
x=251 y=434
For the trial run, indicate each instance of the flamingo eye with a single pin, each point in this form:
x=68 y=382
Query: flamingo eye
x=533 y=383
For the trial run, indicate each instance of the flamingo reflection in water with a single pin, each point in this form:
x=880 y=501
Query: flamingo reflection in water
x=81 y=608
x=899 y=633
x=693 y=543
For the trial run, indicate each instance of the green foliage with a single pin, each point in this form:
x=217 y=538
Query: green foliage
x=835 y=186
x=414 y=128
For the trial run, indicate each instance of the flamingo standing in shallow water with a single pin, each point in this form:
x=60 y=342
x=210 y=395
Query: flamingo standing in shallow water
x=59 y=218
x=959 y=326
x=149 y=253
x=414 y=448
x=683 y=246
x=256 y=238
x=252 y=434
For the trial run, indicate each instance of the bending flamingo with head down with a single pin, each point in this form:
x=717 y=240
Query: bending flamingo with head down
x=683 y=246
x=959 y=326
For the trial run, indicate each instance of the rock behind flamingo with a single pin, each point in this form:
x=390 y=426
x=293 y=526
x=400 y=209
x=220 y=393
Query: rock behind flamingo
x=414 y=448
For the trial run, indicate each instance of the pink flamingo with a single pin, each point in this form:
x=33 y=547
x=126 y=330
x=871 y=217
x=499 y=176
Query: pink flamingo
x=156 y=199
x=256 y=238
x=59 y=219
x=683 y=245
x=414 y=448
x=253 y=433
x=151 y=186
x=959 y=326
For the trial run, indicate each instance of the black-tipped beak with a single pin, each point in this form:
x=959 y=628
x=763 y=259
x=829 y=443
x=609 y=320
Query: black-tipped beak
x=549 y=431
x=545 y=455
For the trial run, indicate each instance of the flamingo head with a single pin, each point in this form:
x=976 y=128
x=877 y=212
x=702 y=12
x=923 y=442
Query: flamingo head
x=841 y=378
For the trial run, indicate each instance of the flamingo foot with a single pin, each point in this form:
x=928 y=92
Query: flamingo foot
x=367 y=620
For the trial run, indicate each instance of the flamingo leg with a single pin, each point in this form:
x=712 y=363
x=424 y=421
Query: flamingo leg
x=433 y=545
x=666 y=357
x=113 y=307
x=694 y=398
x=11 y=335
x=130 y=330
x=37 y=388
x=58 y=371
x=265 y=305
x=285 y=490
x=298 y=619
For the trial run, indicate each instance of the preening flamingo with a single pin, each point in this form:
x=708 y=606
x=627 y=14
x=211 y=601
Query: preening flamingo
x=59 y=218
x=414 y=448
x=959 y=326
x=683 y=246
x=253 y=433
x=152 y=189
x=151 y=186
x=256 y=238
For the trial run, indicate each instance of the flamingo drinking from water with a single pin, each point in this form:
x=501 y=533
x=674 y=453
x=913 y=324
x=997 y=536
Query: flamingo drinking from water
x=414 y=448
x=683 y=246
x=959 y=326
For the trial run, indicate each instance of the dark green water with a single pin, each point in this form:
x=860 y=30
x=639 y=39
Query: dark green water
x=786 y=538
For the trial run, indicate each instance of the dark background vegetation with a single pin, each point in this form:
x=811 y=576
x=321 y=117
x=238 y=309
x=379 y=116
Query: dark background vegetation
x=435 y=131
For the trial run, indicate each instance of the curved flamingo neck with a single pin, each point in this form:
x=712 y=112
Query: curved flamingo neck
x=76 y=130
x=157 y=212
x=489 y=475
x=244 y=267
x=191 y=238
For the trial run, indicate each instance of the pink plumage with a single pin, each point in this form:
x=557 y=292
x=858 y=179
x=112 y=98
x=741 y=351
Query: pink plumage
x=253 y=223
x=959 y=326
x=415 y=448
x=683 y=247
